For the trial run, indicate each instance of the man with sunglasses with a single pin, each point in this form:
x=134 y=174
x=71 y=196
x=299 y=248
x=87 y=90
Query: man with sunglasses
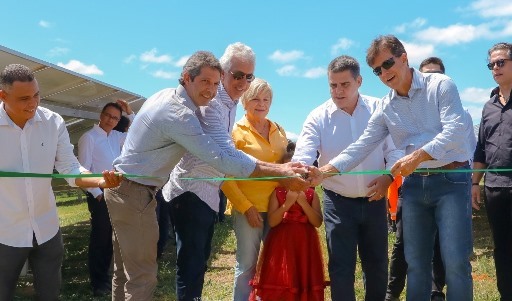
x=397 y=264
x=493 y=152
x=424 y=116
x=97 y=149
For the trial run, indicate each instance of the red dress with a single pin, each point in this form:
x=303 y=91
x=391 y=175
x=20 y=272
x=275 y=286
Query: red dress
x=290 y=267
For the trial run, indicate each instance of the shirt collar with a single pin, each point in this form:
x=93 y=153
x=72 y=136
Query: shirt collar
x=331 y=106
x=184 y=98
x=418 y=83
x=6 y=120
x=224 y=97
x=99 y=130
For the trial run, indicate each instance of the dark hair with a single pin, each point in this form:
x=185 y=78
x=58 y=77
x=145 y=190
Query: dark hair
x=344 y=62
x=123 y=124
x=501 y=46
x=389 y=42
x=114 y=105
x=290 y=150
x=196 y=62
x=13 y=73
x=433 y=60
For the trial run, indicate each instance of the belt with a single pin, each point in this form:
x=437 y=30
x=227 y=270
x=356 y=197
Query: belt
x=425 y=172
x=139 y=184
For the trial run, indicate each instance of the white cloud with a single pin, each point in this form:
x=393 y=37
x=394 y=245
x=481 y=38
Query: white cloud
x=416 y=23
x=342 y=44
x=492 y=8
x=475 y=95
x=151 y=57
x=129 y=59
x=286 y=57
x=292 y=136
x=165 y=74
x=418 y=52
x=475 y=112
x=58 y=51
x=315 y=72
x=44 y=24
x=82 y=68
x=288 y=70
x=454 y=34
x=181 y=61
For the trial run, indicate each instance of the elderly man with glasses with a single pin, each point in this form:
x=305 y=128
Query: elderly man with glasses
x=493 y=151
x=424 y=116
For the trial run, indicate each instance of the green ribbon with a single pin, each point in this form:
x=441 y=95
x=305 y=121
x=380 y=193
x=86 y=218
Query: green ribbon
x=13 y=174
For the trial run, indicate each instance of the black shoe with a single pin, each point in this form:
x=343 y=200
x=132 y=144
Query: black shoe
x=437 y=296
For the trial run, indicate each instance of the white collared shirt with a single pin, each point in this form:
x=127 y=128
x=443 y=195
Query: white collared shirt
x=330 y=130
x=27 y=205
x=97 y=150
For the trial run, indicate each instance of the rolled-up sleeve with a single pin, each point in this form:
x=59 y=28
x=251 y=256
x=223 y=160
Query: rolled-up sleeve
x=308 y=142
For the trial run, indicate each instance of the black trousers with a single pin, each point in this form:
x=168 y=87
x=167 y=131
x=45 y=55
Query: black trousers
x=100 y=244
x=45 y=261
x=398 y=265
x=498 y=202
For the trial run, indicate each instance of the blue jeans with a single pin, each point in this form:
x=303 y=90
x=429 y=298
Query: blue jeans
x=352 y=224
x=193 y=222
x=438 y=202
x=248 y=241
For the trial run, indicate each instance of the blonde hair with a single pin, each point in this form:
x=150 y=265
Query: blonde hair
x=257 y=86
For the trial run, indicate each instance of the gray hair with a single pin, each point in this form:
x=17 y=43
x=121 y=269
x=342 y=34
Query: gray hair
x=13 y=73
x=257 y=86
x=501 y=46
x=196 y=62
x=237 y=50
x=344 y=62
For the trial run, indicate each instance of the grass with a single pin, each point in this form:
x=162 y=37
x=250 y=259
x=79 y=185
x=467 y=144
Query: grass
x=74 y=218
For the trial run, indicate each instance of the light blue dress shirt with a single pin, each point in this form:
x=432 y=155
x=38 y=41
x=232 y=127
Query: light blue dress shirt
x=165 y=128
x=430 y=117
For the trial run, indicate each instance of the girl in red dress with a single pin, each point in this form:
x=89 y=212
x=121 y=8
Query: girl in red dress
x=290 y=267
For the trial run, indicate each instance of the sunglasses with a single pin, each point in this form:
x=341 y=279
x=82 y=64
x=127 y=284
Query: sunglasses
x=238 y=75
x=434 y=71
x=386 y=65
x=500 y=63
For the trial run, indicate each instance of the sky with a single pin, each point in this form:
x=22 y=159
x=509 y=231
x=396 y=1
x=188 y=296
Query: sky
x=141 y=46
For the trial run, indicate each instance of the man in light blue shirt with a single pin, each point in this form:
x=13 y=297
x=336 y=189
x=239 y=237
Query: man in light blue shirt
x=424 y=116
x=194 y=204
x=165 y=128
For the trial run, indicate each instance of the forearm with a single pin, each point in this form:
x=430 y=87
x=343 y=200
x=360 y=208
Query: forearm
x=314 y=217
x=477 y=175
x=275 y=217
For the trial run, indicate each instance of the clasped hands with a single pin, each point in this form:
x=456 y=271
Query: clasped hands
x=300 y=176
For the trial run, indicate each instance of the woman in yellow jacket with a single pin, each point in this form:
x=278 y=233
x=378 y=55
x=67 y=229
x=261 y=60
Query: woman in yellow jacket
x=265 y=140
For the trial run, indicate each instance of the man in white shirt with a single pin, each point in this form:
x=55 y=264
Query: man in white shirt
x=34 y=139
x=97 y=149
x=354 y=205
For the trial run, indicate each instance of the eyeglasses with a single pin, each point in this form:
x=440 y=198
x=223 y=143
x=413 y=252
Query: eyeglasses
x=386 y=65
x=238 y=75
x=500 y=63
x=115 y=118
